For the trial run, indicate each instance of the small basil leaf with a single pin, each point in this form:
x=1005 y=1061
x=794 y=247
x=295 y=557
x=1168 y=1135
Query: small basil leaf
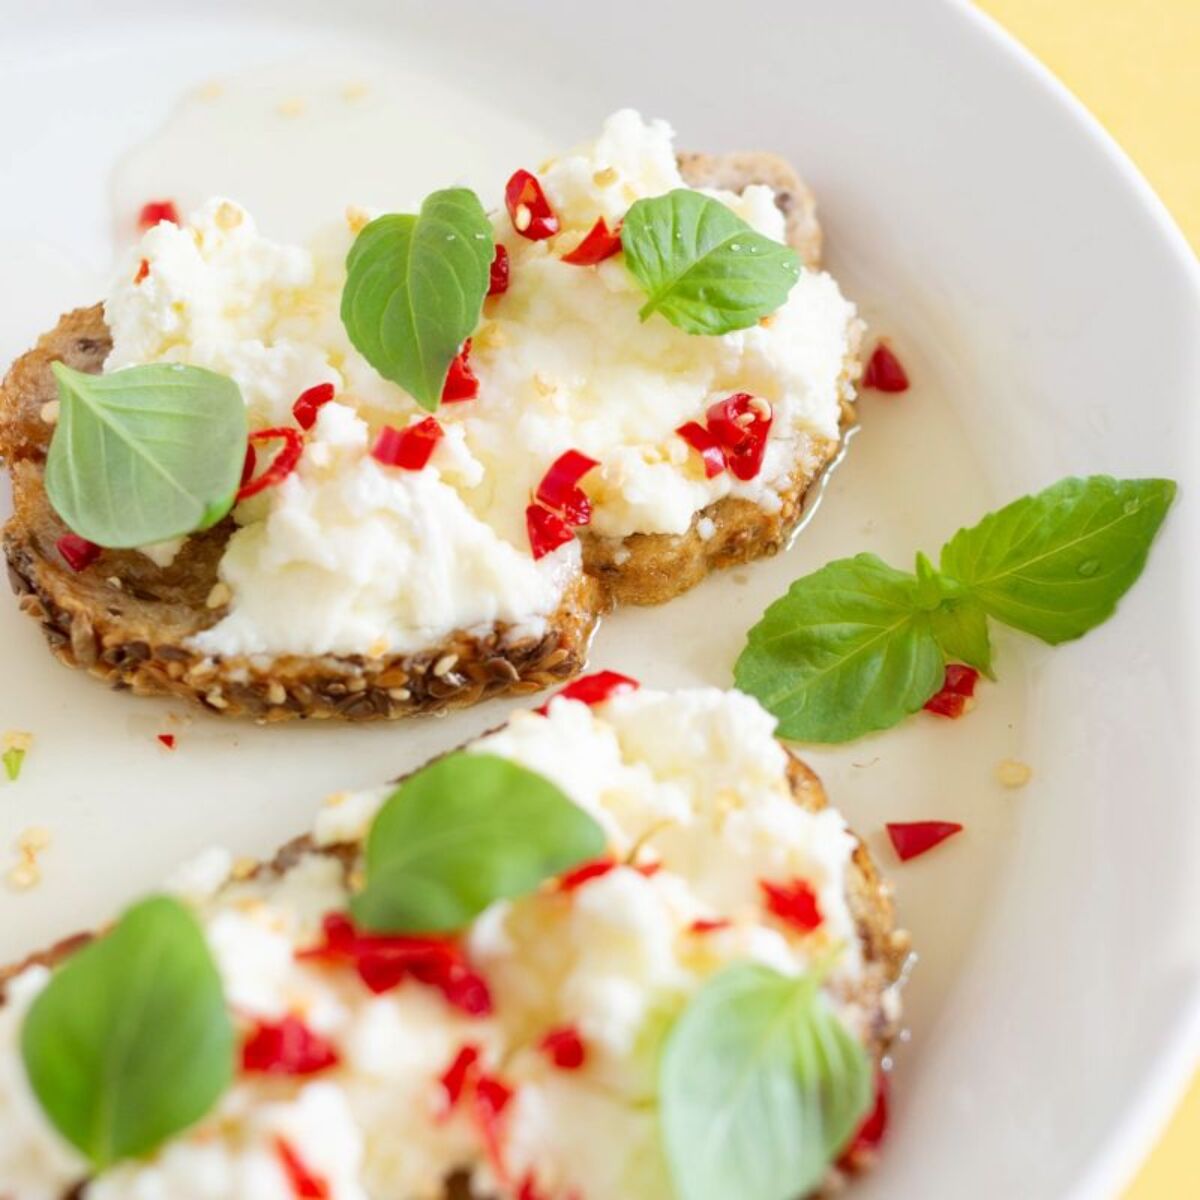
x=760 y=1088
x=1055 y=564
x=702 y=266
x=415 y=287
x=960 y=628
x=466 y=831
x=130 y=1042
x=846 y=651
x=146 y=453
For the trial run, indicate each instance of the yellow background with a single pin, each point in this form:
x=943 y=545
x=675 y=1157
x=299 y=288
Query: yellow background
x=1136 y=65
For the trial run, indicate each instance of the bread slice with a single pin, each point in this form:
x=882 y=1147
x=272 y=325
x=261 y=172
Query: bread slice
x=885 y=949
x=129 y=622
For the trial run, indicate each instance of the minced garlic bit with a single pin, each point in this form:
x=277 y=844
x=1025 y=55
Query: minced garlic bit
x=292 y=107
x=28 y=872
x=605 y=177
x=357 y=218
x=50 y=412
x=1012 y=773
x=335 y=798
x=220 y=595
x=24 y=876
x=228 y=216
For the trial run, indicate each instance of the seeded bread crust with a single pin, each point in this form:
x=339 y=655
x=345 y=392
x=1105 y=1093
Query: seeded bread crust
x=130 y=623
x=885 y=948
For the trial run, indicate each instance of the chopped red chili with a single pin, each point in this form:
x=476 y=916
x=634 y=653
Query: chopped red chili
x=594 y=688
x=142 y=271
x=706 y=445
x=249 y=464
x=741 y=424
x=78 y=553
x=794 y=902
x=708 y=925
x=305 y=1183
x=885 y=372
x=585 y=872
x=461 y=382
x=547 y=531
x=310 y=402
x=287 y=1047
x=167 y=739
x=460 y=1072
x=498 y=276
x=489 y=1097
x=958 y=687
x=280 y=467
x=409 y=448
x=385 y=961
x=598 y=243
x=530 y=211
x=913 y=838
x=870 y=1134
x=560 y=490
x=154 y=211
x=564 y=1047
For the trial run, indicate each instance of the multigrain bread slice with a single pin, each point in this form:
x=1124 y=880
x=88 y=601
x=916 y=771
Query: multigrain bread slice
x=885 y=948
x=129 y=622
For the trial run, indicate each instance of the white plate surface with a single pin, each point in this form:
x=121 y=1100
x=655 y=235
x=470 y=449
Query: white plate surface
x=1048 y=310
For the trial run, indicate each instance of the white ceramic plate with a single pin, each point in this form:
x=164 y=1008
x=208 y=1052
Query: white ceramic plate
x=1048 y=310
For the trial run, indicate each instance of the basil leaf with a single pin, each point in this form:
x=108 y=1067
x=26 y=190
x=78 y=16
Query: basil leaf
x=761 y=1086
x=415 y=287
x=131 y=1042
x=702 y=266
x=466 y=831
x=960 y=628
x=146 y=453
x=847 y=650
x=1056 y=563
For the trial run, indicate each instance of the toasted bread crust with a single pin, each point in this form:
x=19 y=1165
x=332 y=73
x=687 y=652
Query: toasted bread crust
x=130 y=623
x=885 y=948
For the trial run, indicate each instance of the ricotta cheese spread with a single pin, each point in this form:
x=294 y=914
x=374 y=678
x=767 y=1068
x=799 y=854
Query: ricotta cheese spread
x=692 y=782
x=351 y=553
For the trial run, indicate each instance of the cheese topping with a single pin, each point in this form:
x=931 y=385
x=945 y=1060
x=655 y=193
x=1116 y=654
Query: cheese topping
x=692 y=781
x=563 y=362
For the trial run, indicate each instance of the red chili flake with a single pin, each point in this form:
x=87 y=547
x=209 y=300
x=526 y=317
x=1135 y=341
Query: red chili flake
x=281 y=466
x=309 y=403
x=598 y=687
x=870 y=1133
x=489 y=1097
x=530 y=211
x=913 y=838
x=287 y=1047
x=305 y=1184
x=249 y=464
x=585 y=872
x=598 y=243
x=547 y=531
x=461 y=382
x=142 y=271
x=884 y=372
x=529 y=1189
x=384 y=961
x=705 y=445
x=409 y=448
x=741 y=424
x=154 y=211
x=560 y=491
x=564 y=1047
x=794 y=902
x=498 y=277
x=958 y=687
x=78 y=553
x=167 y=739
x=708 y=925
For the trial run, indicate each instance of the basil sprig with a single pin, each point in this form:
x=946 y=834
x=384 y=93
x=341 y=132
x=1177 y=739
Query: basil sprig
x=415 y=287
x=760 y=1087
x=701 y=266
x=130 y=1042
x=856 y=646
x=146 y=453
x=466 y=831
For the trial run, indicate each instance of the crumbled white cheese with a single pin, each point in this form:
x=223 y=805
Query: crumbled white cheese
x=564 y=362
